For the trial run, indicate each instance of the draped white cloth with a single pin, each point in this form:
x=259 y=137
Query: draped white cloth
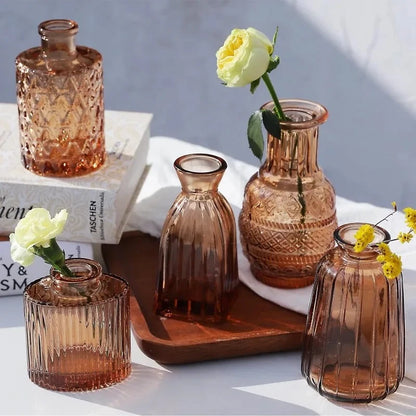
x=162 y=186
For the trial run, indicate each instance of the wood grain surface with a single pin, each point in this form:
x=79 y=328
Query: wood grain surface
x=255 y=325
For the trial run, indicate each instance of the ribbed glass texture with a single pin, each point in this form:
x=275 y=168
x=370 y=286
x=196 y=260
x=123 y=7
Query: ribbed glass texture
x=198 y=273
x=60 y=101
x=78 y=329
x=354 y=341
x=288 y=215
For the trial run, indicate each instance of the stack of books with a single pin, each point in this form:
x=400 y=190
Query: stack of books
x=98 y=204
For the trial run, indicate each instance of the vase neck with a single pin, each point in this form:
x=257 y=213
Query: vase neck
x=58 y=38
x=86 y=280
x=200 y=172
x=295 y=153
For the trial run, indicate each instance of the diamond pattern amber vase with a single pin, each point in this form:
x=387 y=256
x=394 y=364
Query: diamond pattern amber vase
x=282 y=242
x=198 y=272
x=354 y=340
x=78 y=329
x=60 y=103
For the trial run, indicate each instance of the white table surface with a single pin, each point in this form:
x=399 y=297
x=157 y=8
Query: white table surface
x=269 y=384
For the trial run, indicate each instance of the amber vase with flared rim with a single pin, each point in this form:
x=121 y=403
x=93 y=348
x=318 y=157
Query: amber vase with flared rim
x=198 y=272
x=288 y=215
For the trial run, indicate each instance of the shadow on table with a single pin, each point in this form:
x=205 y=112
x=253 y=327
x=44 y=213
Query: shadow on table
x=203 y=388
x=402 y=402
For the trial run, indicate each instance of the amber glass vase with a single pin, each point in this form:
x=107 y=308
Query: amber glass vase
x=60 y=103
x=78 y=329
x=198 y=273
x=354 y=341
x=288 y=215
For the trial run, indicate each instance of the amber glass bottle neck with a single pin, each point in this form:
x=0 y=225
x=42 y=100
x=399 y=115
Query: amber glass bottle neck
x=58 y=38
x=200 y=172
x=86 y=279
x=295 y=152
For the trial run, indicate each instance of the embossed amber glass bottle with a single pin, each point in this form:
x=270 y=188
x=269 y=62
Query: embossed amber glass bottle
x=198 y=272
x=78 y=328
x=288 y=215
x=60 y=103
x=354 y=340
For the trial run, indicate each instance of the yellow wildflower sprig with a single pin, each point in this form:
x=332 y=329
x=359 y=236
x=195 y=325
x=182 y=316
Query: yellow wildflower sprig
x=391 y=262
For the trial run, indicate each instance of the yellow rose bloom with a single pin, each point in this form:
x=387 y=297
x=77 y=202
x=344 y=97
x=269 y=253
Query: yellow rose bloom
x=364 y=236
x=244 y=57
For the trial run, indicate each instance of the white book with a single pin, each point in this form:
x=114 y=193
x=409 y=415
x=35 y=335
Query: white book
x=14 y=278
x=98 y=204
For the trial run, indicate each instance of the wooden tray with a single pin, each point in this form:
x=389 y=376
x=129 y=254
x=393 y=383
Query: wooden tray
x=255 y=325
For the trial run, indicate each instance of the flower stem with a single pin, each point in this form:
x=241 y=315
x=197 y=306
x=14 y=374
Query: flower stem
x=278 y=109
x=54 y=256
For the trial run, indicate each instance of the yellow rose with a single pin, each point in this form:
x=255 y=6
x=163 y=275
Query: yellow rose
x=244 y=57
x=35 y=229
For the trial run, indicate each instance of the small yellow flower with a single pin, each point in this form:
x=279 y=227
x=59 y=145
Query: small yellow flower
x=393 y=266
x=384 y=249
x=364 y=236
x=381 y=258
x=404 y=237
x=394 y=205
x=410 y=217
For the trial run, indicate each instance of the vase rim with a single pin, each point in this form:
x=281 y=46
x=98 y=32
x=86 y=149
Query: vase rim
x=58 y=27
x=343 y=232
x=316 y=114
x=209 y=164
x=91 y=269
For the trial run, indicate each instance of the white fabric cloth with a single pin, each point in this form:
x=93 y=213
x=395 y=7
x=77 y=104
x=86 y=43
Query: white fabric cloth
x=162 y=186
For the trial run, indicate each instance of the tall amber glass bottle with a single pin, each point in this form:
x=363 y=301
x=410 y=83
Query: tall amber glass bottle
x=60 y=103
x=198 y=272
x=288 y=215
x=78 y=328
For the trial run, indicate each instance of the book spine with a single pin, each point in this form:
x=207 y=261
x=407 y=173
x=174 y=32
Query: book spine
x=14 y=278
x=92 y=212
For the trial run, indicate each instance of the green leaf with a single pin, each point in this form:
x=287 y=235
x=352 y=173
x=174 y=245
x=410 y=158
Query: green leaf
x=274 y=62
x=271 y=123
x=255 y=134
x=254 y=85
x=275 y=37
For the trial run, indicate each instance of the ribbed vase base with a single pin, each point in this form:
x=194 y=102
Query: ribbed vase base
x=79 y=382
x=283 y=281
x=81 y=370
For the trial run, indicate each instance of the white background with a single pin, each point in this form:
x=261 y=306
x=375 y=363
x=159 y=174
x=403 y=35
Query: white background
x=356 y=57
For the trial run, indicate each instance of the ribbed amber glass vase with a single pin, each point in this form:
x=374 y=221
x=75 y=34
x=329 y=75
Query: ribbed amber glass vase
x=288 y=214
x=78 y=329
x=354 y=341
x=60 y=99
x=198 y=272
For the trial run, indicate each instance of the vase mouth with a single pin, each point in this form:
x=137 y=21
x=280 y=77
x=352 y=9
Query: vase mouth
x=58 y=27
x=303 y=114
x=200 y=164
x=344 y=235
x=83 y=269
